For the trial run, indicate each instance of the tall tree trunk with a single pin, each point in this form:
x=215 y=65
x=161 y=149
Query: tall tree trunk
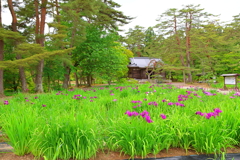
x=14 y=28
x=40 y=27
x=178 y=41
x=1 y=70
x=188 y=62
x=14 y=17
x=82 y=79
x=76 y=79
x=38 y=79
x=23 y=79
x=49 y=83
x=181 y=57
x=67 y=68
x=57 y=11
x=89 y=80
x=37 y=22
x=138 y=52
x=66 y=76
x=1 y=56
x=188 y=58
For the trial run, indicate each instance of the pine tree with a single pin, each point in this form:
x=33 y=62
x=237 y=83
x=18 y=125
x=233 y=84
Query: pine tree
x=193 y=17
x=39 y=33
x=109 y=17
x=14 y=28
x=1 y=54
x=135 y=40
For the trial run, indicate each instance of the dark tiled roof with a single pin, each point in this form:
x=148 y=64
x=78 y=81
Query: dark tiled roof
x=141 y=62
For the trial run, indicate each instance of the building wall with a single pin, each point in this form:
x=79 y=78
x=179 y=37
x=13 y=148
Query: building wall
x=140 y=73
x=137 y=73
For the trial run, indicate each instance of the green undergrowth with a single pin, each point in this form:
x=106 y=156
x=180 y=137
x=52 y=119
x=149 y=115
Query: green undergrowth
x=78 y=123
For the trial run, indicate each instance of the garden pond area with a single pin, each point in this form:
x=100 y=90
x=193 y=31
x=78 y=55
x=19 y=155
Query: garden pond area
x=138 y=121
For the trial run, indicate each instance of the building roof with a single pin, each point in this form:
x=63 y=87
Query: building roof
x=141 y=62
x=233 y=74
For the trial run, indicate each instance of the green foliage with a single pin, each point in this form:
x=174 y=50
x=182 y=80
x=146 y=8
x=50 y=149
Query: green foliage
x=71 y=137
x=127 y=81
x=214 y=47
x=7 y=34
x=100 y=55
x=79 y=123
x=122 y=81
x=132 y=81
x=134 y=137
x=26 y=62
x=27 y=49
x=19 y=128
x=58 y=39
x=53 y=73
x=147 y=82
x=109 y=17
x=11 y=80
x=137 y=40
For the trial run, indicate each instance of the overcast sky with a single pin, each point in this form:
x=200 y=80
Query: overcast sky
x=147 y=11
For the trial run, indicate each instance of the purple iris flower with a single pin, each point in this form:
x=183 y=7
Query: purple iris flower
x=134 y=113
x=163 y=116
x=210 y=114
x=237 y=94
x=136 y=101
x=131 y=113
x=198 y=112
x=217 y=110
x=5 y=102
x=153 y=103
x=181 y=105
x=144 y=113
x=148 y=119
x=177 y=104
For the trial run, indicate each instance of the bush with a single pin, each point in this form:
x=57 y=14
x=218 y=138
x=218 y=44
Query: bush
x=127 y=81
x=132 y=81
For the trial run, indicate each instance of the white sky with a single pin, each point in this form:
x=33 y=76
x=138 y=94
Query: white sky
x=147 y=11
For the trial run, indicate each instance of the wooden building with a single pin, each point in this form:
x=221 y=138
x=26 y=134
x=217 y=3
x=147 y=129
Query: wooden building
x=139 y=66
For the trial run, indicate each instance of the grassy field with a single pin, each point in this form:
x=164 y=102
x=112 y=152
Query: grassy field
x=132 y=119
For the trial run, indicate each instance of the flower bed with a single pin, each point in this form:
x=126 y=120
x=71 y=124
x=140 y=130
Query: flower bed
x=135 y=120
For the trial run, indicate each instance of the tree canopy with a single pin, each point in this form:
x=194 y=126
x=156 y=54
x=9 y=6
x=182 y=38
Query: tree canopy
x=51 y=43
